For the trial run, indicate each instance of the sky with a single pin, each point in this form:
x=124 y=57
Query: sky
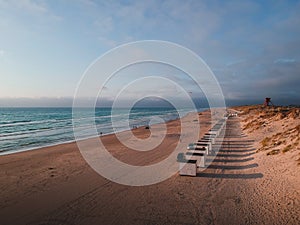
x=252 y=47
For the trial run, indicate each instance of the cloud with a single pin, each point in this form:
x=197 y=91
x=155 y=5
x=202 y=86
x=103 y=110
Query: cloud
x=2 y=52
x=26 y=5
x=235 y=62
x=107 y=42
x=36 y=102
x=26 y=9
x=88 y=3
x=104 y=24
x=284 y=61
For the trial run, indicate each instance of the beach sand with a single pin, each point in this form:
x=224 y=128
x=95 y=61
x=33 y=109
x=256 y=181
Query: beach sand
x=54 y=185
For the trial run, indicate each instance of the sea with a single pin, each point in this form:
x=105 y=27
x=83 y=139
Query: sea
x=24 y=129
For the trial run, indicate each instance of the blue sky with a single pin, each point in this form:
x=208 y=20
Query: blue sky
x=253 y=47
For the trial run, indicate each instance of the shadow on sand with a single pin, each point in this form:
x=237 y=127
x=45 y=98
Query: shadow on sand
x=225 y=167
x=230 y=160
x=232 y=151
x=231 y=176
x=236 y=150
x=235 y=155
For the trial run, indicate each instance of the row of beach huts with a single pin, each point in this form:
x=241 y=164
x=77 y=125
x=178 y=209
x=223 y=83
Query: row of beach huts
x=197 y=152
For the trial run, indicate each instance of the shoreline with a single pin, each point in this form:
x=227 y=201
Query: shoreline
x=9 y=152
x=36 y=183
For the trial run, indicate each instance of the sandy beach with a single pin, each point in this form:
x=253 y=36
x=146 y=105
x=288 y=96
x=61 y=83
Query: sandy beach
x=242 y=185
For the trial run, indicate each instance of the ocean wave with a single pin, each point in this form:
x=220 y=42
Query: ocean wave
x=25 y=123
x=45 y=128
